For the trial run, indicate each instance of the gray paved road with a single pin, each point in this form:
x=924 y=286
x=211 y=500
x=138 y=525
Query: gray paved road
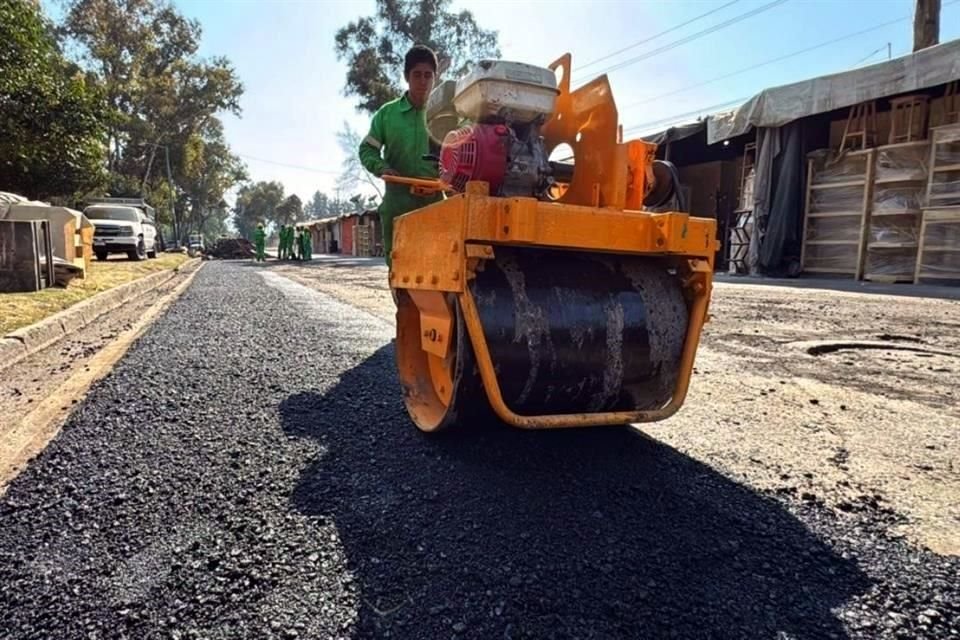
x=248 y=471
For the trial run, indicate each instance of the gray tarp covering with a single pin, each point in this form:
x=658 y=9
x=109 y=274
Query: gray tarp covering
x=778 y=197
x=786 y=208
x=768 y=148
x=678 y=132
x=780 y=105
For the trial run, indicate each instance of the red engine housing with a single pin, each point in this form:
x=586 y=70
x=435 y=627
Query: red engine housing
x=478 y=152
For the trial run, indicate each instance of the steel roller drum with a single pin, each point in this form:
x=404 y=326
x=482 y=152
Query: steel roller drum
x=571 y=332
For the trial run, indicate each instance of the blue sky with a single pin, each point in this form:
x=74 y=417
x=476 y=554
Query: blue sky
x=293 y=105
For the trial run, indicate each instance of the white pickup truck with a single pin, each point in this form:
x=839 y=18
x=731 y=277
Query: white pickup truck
x=121 y=228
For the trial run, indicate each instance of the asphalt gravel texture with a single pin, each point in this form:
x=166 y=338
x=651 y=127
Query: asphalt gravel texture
x=270 y=485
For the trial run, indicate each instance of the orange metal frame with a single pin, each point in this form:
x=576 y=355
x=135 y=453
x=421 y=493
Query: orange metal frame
x=437 y=249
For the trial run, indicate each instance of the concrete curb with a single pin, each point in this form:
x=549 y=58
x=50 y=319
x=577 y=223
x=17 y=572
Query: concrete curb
x=11 y=350
x=19 y=344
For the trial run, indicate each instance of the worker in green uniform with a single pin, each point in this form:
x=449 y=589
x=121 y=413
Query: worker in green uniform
x=398 y=140
x=282 y=247
x=307 y=245
x=260 y=243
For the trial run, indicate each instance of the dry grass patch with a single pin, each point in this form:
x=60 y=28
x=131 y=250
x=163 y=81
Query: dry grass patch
x=22 y=309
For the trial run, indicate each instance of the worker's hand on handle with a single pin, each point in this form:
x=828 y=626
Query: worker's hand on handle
x=388 y=172
x=423 y=187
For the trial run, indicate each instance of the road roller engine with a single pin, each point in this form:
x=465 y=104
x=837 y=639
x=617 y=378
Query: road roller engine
x=549 y=288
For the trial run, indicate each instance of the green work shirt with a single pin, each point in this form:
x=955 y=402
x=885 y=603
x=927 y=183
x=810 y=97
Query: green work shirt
x=398 y=140
x=399 y=131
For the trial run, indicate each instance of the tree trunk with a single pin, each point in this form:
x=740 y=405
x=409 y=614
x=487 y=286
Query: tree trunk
x=926 y=24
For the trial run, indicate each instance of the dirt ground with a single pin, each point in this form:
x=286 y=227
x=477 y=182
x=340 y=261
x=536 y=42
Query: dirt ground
x=846 y=399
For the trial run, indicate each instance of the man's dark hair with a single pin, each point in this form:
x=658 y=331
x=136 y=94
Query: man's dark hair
x=419 y=53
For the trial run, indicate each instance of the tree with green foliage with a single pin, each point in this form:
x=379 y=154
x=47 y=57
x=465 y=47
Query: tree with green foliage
x=209 y=171
x=290 y=211
x=163 y=102
x=317 y=207
x=323 y=206
x=256 y=203
x=373 y=47
x=51 y=113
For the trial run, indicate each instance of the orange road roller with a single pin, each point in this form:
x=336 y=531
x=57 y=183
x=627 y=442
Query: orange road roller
x=547 y=288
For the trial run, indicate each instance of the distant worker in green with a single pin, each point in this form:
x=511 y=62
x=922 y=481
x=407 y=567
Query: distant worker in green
x=307 y=245
x=398 y=140
x=287 y=242
x=260 y=242
x=282 y=246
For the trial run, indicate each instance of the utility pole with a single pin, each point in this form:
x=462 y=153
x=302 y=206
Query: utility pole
x=926 y=24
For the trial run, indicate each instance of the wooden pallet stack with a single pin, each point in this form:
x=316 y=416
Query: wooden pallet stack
x=837 y=204
x=939 y=238
x=889 y=213
x=893 y=224
x=364 y=233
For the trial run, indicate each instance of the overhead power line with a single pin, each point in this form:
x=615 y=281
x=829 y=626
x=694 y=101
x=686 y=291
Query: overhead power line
x=773 y=60
x=873 y=53
x=694 y=36
x=291 y=166
x=655 y=36
x=676 y=118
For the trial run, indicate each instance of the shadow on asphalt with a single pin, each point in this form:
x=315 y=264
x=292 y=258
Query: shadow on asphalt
x=592 y=533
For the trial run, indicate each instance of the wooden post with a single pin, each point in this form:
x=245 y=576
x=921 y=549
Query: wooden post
x=926 y=24
x=865 y=216
x=923 y=234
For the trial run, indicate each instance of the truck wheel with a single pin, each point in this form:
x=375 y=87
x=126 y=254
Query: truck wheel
x=102 y=255
x=140 y=253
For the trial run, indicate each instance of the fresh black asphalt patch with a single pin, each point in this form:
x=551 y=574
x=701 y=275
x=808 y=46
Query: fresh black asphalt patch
x=248 y=471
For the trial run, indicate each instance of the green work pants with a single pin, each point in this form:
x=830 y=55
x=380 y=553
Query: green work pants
x=396 y=202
